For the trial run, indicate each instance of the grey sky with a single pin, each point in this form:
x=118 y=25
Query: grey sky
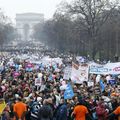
x=11 y=7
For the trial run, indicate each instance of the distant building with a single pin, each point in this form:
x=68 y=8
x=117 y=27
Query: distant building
x=25 y=23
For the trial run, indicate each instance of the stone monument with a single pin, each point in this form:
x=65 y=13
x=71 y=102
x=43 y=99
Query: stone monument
x=25 y=24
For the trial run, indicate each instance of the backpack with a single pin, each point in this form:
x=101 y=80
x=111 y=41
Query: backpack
x=34 y=109
x=45 y=113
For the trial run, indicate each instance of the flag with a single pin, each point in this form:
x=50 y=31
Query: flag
x=102 y=86
x=68 y=94
x=112 y=82
x=2 y=106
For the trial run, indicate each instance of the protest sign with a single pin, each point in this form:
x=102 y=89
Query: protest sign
x=68 y=94
x=75 y=73
x=97 y=90
x=79 y=73
x=90 y=83
x=83 y=69
x=112 y=82
x=38 y=81
x=67 y=73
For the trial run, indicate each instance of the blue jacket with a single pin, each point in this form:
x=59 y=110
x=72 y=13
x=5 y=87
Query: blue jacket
x=62 y=112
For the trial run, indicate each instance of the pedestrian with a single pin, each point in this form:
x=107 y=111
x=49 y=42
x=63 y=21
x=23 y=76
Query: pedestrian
x=80 y=112
x=45 y=112
x=20 y=109
x=62 y=110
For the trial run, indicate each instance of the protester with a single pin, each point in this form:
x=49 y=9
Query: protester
x=116 y=113
x=62 y=110
x=20 y=109
x=45 y=112
x=80 y=112
x=101 y=111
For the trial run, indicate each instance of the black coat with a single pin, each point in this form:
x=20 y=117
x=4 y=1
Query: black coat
x=45 y=113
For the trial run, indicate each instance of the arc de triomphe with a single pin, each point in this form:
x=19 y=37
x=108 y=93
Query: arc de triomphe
x=25 y=23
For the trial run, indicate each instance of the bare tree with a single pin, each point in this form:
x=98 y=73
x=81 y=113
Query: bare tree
x=94 y=14
x=7 y=31
x=85 y=27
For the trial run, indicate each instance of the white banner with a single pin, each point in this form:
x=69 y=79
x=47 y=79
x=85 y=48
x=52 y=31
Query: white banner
x=79 y=73
x=109 y=68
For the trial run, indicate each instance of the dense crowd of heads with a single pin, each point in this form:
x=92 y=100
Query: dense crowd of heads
x=18 y=84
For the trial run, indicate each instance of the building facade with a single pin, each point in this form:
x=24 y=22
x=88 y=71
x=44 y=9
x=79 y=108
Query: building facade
x=25 y=24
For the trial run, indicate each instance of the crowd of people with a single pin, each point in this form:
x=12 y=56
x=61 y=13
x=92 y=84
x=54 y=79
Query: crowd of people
x=27 y=101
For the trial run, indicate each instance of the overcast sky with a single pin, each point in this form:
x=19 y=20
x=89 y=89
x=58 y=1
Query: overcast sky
x=11 y=7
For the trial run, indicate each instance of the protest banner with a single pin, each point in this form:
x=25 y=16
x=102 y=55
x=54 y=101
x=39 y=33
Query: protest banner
x=68 y=94
x=109 y=68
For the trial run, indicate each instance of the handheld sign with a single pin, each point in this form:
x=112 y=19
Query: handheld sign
x=38 y=81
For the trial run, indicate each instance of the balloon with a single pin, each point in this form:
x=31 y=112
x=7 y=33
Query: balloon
x=40 y=75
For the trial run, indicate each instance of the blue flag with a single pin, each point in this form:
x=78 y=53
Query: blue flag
x=102 y=86
x=68 y=94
